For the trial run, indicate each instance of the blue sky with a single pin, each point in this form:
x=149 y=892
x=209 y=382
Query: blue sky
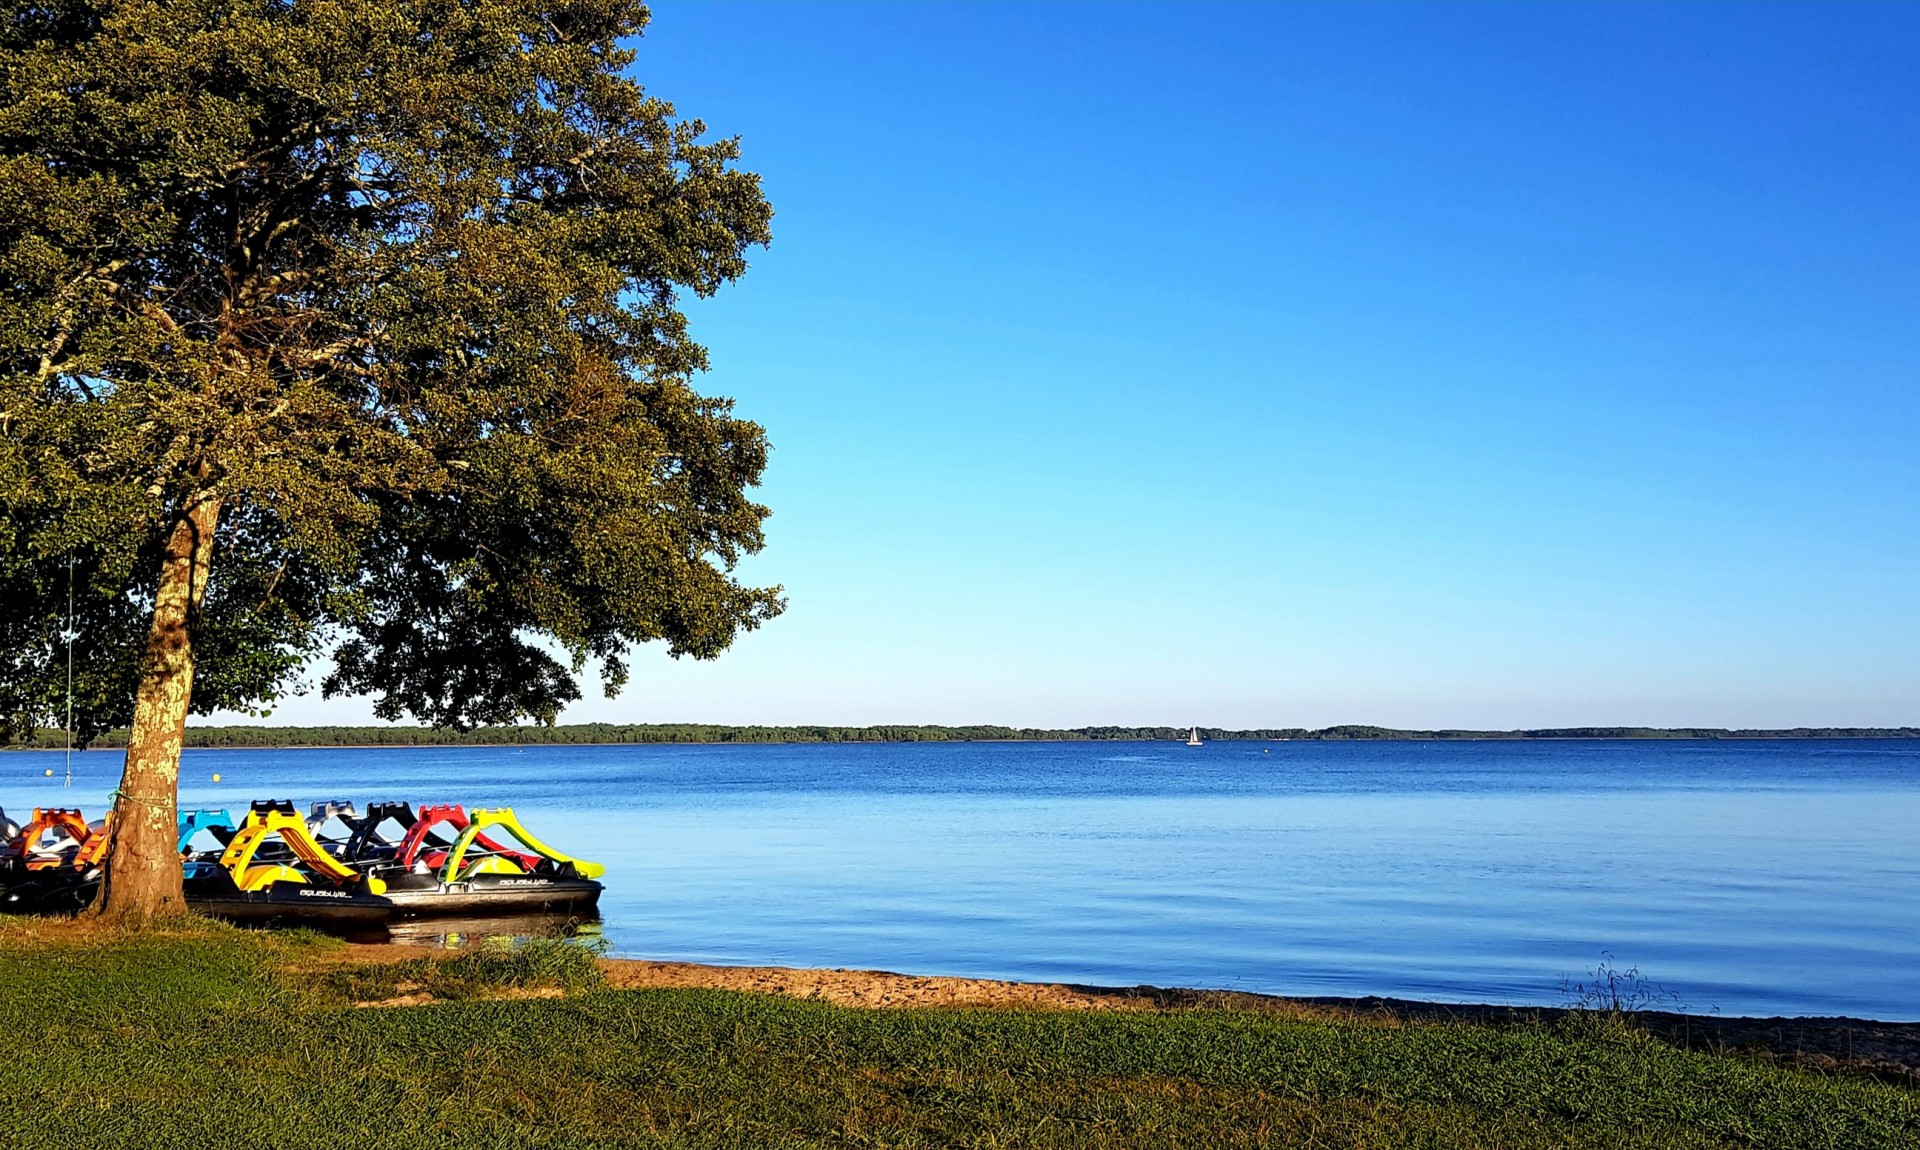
x=1290 y=365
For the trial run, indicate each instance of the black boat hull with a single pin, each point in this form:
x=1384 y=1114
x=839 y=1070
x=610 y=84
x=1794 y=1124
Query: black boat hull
x=49 y=892
x=316 y=905
x=299 y=903
x=246 y=908
x=424 y=896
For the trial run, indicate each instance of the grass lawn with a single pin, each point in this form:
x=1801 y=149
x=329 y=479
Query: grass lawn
x=212 y=1037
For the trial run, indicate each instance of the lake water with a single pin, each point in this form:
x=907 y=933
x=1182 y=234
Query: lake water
x=1755 y=877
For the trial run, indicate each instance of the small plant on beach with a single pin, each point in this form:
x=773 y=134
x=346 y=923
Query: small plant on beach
x=1607 y=989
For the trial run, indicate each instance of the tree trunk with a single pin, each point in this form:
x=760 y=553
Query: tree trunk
x=142 y=880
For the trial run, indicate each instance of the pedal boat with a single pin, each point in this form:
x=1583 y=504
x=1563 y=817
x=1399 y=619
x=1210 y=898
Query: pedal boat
x=446 y=864
x=304 y=885
x=52 y=864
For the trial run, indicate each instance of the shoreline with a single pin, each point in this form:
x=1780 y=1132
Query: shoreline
x=1491 y=737
x=1888 y=1051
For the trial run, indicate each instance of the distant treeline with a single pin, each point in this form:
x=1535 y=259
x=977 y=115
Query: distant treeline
x=587 y=733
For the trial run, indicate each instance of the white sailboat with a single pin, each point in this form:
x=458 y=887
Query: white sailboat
x=1193 y=737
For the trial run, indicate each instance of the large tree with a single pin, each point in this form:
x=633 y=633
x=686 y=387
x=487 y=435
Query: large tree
x=351 y=327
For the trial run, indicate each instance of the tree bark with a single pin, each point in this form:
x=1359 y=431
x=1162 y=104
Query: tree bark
x=142 y=876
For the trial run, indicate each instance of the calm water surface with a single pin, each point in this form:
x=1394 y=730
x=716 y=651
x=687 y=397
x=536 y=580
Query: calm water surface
x=1756 y=877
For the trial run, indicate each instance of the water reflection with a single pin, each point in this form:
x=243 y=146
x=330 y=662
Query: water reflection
x=505 y=930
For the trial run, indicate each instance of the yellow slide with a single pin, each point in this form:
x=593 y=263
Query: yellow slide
x=292 y=829
x=503 y=817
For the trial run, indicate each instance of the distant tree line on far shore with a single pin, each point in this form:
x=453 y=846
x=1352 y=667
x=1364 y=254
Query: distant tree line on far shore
x=602 y=733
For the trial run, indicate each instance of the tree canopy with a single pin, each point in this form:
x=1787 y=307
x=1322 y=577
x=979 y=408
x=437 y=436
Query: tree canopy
x=352 y=327
x=398 y=282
